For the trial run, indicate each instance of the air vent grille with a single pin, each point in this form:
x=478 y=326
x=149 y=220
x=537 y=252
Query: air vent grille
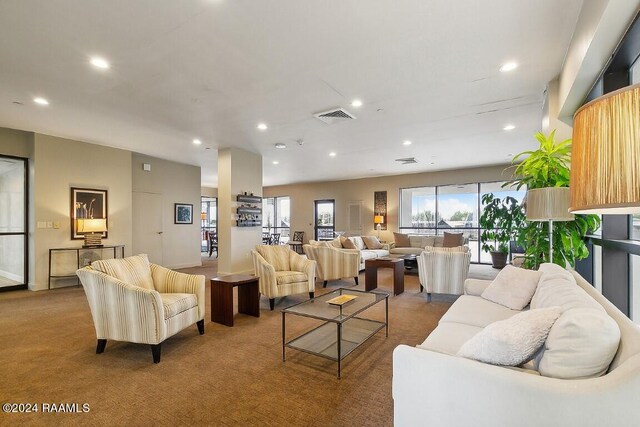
x=407 y=160
x=334 y=115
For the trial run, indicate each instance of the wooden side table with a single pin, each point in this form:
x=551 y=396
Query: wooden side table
x=371 y=267
x=222 y=297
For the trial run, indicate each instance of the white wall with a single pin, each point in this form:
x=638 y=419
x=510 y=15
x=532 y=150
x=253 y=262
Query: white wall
x=176 y=183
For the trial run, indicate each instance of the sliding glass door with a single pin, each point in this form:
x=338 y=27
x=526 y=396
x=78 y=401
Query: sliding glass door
x=13 y=223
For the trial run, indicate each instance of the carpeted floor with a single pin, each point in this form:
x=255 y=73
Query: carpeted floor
x=229 y=376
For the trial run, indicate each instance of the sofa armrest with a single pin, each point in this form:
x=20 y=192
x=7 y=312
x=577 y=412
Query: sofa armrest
x=170 y=281
x=428 y=386
x=475 y=286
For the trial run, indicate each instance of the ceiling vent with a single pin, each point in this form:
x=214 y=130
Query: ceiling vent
x=335 y=115
x=407 y=160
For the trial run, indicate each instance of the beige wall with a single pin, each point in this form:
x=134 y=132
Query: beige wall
x=303 y=195
x=16 y=143
x=61 y=164
x=209 y=191
x=176 y=183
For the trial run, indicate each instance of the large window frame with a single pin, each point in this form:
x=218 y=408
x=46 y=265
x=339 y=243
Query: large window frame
x=471 y=227
x=278 y=203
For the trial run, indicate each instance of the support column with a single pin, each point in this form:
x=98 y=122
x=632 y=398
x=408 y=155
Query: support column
x=239 y=171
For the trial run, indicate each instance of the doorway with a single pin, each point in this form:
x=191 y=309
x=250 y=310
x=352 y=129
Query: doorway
x=324 y=219
x=148 y=225
x=209 y=225
x=14 y=260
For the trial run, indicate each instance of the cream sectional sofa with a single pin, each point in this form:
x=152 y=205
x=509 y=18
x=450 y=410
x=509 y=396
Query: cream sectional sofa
x=418 y=243
x=432 y=385
x=362 y=251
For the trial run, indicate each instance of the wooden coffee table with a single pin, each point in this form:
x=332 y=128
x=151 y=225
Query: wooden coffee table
x=371 y=267
x=222 y=297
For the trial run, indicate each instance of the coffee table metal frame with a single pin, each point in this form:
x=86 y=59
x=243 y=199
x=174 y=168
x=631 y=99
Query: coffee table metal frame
x=350 y=330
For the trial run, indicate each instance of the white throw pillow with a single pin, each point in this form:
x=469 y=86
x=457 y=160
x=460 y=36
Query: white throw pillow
x=513 y=341
x=513 y=287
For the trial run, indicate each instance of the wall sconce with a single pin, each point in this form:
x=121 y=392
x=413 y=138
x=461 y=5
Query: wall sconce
x=92 y=230
x=605 y=177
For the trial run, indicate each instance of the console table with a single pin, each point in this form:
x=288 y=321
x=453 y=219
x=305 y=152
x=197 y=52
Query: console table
x=78 y=251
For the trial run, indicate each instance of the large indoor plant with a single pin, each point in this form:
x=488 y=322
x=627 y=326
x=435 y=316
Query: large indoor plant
x=500 y=220
x=548 y=166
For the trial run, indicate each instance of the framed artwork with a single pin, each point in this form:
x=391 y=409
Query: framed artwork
x=183 y=213
x=87 y=203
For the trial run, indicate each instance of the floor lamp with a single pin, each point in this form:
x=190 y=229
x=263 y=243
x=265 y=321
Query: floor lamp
x=548 y=204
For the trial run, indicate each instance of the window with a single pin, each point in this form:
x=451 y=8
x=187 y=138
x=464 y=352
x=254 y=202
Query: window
x=456 y=208
x=276 y=216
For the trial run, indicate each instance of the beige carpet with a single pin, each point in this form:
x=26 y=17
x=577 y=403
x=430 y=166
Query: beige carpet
x=229 y=376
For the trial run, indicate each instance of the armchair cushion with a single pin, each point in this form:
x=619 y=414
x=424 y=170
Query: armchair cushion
x=275 y=255
x=401 y=240
x=175 y=304
x=134 y=270
x=286 y=277
x=452 y=239
x=513 y=287
x=372 y=242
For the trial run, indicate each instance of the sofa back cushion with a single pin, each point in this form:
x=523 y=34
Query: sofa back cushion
x=452 y=240
x=513 y=287
x=401 y=240
x=584 y=339
x=371 y=242
x=358 y=242
x=134 y=270
x=275 y=255
x=347 y=243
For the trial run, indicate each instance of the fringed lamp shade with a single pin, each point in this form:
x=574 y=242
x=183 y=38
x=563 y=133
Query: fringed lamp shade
x=605 y=159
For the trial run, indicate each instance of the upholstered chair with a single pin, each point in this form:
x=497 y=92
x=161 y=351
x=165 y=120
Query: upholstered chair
x=135 y=301
x=443 y=270
x=333 y=263
x=283 y=272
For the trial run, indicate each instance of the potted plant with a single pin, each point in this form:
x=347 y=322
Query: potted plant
x=548 y=166
x=500 y=221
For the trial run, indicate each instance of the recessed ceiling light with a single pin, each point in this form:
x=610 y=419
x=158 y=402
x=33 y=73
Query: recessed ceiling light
x=275 y=162
x=100 y=63
x=510 y=155
x=432 y=163
x=40 y=101
x=509 y=127
x=508 y=66
x=407 y=142
x=356 y=103
x=262 y=126
x=197 y=141
x=332 y=154
x=281 y=145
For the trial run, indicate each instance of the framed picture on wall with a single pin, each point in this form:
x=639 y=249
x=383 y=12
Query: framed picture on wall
x=183 y=213
x=87 y=203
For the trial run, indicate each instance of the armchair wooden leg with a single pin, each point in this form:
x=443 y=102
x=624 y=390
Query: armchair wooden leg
x=272 y=303
x=324 y=285
x=312 y=294
x=200 y=325
x=101 y=345
x=356 y=279
x=155 y=351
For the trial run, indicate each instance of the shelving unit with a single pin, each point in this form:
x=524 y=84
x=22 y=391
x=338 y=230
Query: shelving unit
x=249 y=212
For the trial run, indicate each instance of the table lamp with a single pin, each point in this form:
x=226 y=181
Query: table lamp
x=378 y=220
x=92 y=228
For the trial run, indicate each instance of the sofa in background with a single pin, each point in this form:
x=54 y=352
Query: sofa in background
x=358 y=247
x=417 y=243
x=429 y=378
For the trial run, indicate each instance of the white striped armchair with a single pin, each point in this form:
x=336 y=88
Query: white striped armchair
x=443 y=270
x=283 y=272
x=333 y=263
x=135 y=301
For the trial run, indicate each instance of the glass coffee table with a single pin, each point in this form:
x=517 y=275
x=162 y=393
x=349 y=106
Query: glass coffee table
x=343 y=330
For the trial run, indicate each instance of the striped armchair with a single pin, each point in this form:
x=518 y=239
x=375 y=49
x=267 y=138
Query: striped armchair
x=444 y=270
x=334 y=264
x=283 y=272
x=135 y=301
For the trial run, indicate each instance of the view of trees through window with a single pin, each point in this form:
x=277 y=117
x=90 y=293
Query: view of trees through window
x=276 y=216
x=455 y=208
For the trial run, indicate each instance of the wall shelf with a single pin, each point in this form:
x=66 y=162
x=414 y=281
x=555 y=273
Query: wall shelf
x=249 y=213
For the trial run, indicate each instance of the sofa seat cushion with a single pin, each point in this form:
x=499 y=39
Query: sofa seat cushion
x=286 y=277
x=175 y=304
x=379 y=253
x=367 y=254
x=476 y=311
x=133 y=270
x=448 y=337
x=407 y=251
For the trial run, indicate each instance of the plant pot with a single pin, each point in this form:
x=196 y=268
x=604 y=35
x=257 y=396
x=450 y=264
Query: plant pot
x=498 y=259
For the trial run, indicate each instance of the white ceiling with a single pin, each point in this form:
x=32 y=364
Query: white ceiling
x=426 y=70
